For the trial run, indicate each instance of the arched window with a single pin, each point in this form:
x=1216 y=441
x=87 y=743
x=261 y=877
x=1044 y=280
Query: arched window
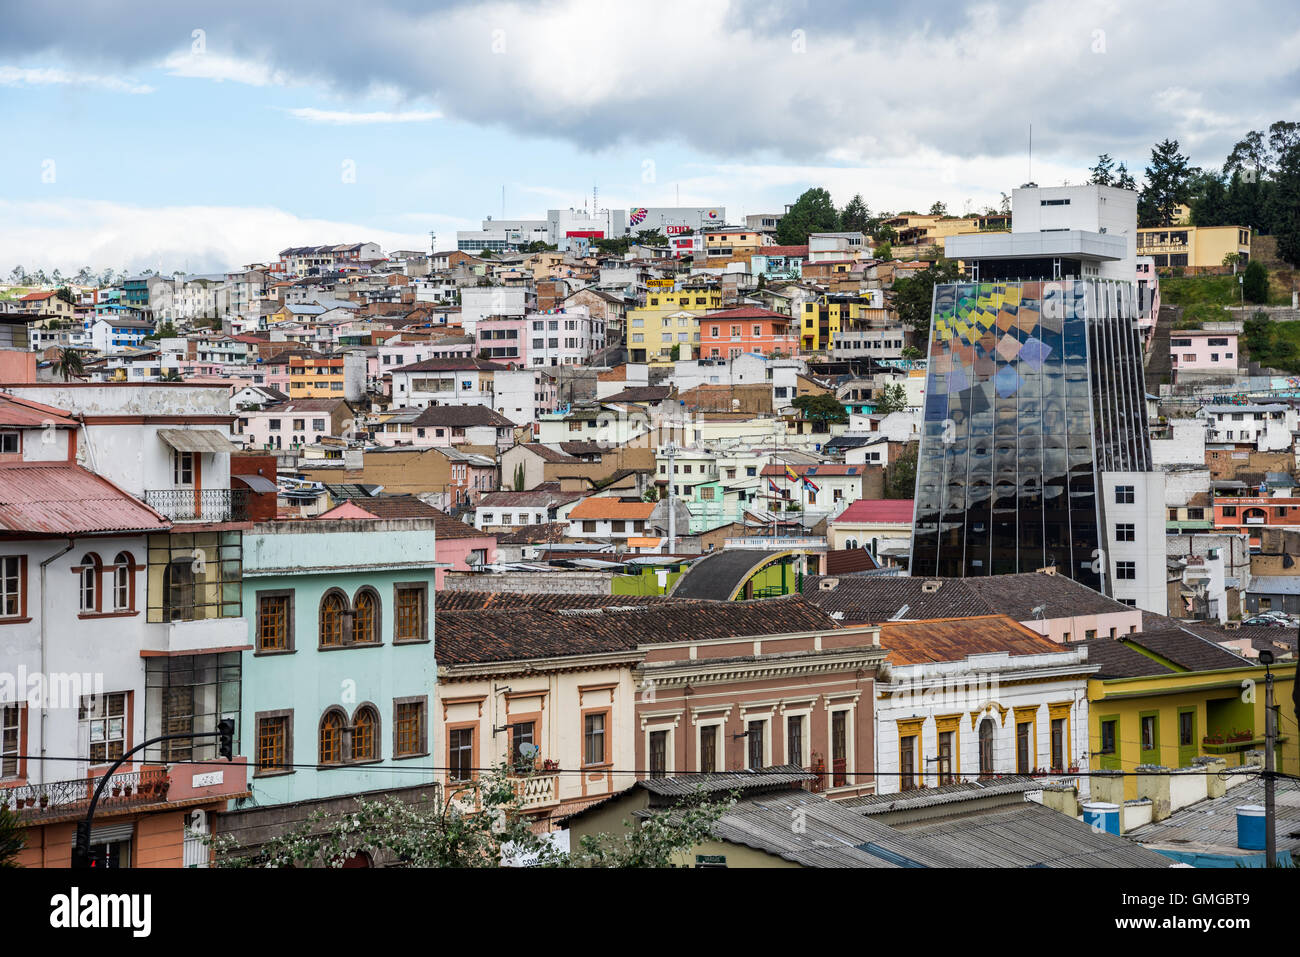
x=332 y=609
x=331 y=737
x=123 y=581
x=851 y=543
x=89 y=581
x=986 y=747
x=365 y=734
x=365 y=617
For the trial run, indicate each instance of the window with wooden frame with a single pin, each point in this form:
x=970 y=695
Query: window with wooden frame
x=709 y=747
x=1024 y=747
x=755 y=744
x=522 y=733
x=182 y=468
x=460 y=754
x=986 y=732
x=1058 y=744
x=593 y=738
x=365 y=734
x=332 y=609
x=409 y=724
x=88 y=583
x=907 y=762
x=123 y=582
x=274 y=743
x=331 y=737
x=794 y=739
x=274 y=621
x=839 y=748
x=13 y=586
x=410 y=615
x=11 y=739
x=365 y=618
x=104 y=717
x=658 y=754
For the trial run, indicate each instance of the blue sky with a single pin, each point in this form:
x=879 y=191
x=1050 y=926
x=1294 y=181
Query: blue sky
x=204 y=138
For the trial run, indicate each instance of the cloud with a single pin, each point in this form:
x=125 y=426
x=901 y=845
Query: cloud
x=342 y=117
x=69 y=234
x=38 y=76
x=212 y=66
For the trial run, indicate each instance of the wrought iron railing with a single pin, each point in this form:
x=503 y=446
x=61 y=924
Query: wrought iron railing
x=199 y=505
x=57 y=798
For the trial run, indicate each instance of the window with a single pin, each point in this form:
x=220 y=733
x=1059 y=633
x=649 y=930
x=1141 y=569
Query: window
x=409 y=724
x=658 y=754
x=839 y=748
x=1126 y=571
x=365 y=734
x=13 y=578
x=1024 y=747
x=460 y=754
x=907 y=762
x=1125 y=532
x=946 y=775
x=103 y=721
x=9 y=443
x=1186 y=728
x=123 y=581
x=365 y=618
x=1149 y=728
x=593 y=739
x=521 y=733
x=11 y=716
x=1124 y=494
x=1108 y=736
x=331 y=737
x=755 y=740
x=182 y=468
x=274 y=616
x=1058 y=744
x=411 y=619
x=986 y=747
x=794 y=740
x=709 y=748
x=332 y=609
x=89 y=583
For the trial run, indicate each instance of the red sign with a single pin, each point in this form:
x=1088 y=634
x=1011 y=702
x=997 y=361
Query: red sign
x=676 y=230
x=586 y=234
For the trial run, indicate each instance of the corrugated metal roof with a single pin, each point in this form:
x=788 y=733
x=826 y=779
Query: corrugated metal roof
x=197 y=440
x=1213 y=823
x=64 y=499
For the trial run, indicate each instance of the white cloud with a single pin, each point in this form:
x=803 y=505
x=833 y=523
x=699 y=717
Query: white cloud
x=343 y=117
x=38 y=76
x=69 y=234
x=213 y=66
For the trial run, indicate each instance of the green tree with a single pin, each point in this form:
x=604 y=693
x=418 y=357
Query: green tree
x=856 y=215
x=17 y=275
x=65 y=294
x=1285 y=206
x=69 y=364
x=911 y=352
x=939 y=208
x=914 y=296
x=893 y=398
x=885 y=233
x=1123 y=179
x=901 y=481
x=885 y=252
x=1254 y=284
x=656 y=840
x=519 y=477
x=1103 y=174
x=821 y=409
x=12 y=837
x=1165 y=186
x=651 y=237
x=812 y=212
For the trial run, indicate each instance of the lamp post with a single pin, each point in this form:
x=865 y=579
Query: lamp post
x=1270 y=731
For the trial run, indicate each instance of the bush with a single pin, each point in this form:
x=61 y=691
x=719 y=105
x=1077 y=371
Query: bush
x=1254 y=285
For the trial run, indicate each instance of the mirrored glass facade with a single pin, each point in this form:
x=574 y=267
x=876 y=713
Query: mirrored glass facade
x=1033 y=389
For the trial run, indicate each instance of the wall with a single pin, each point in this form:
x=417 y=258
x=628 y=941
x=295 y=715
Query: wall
x=549 y=582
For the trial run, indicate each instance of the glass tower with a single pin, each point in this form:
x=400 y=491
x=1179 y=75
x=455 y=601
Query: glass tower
x=1033 y=389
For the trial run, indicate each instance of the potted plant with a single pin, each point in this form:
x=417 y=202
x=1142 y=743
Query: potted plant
x=550 y=764
x=117 y=788
x=45 y=800
x=31 y=800
x=126 y=788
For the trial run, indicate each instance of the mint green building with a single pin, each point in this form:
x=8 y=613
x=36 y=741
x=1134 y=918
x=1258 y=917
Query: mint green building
x=337 y=686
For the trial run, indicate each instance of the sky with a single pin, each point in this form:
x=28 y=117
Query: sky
x=205 y=137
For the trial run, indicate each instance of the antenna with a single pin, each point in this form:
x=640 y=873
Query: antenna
x=1031 y=152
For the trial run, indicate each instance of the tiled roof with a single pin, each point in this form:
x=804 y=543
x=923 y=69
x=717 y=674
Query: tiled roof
x=812 y=471
x=897 y=510
x=544 y=495
x=545 y=533
x=747 y=312
x=865 y=599
x=25 y=413
x=462 y=416
x=605 y=506
x=492 y=600
x=1186 y=650
x=642 y=393
x=953 y=639
x=448 y=364
x=57 y=498
x=473 y=637
x=549 y=454
x=1118 y=660
x=846 y=561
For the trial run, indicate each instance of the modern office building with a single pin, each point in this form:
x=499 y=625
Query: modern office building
x=1035 y=450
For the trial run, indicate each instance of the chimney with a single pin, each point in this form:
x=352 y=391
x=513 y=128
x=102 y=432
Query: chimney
x=930 y=587
x=828 y=584
x=1155 y=785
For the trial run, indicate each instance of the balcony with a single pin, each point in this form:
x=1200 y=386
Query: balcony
x=537 y=790
x=199 y=505
x=53 y=800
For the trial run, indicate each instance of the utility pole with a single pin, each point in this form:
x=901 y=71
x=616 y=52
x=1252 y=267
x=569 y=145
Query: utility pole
x=672 y=502
x=1270 y=732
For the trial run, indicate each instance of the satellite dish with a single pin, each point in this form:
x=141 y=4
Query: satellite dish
x=529 y=751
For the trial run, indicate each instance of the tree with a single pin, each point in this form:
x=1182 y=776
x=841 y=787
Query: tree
x=856 y=215
x=655 y=840
x=914 y=296
x=165 y=331
x=17 y=275
x=812 y=212
x=12 y=837
x=1122 y=178
x=885 y=252
x=1165 y=186
x=939 y=208
x=1103 y=174
x=1285 y=206
x=821 y=409
x=519 y=477
x=1004 y=207
x=1254 y=284
x=893 y=398
x=65 y=294
x=69 y=364
x=911 y=352
x=902 y=475
x=651 y=237
x=885 y=233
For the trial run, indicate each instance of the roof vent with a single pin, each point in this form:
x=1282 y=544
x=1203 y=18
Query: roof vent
x=1049 y=570
x=828 y=584
x=930 y=587
x=1232 y=625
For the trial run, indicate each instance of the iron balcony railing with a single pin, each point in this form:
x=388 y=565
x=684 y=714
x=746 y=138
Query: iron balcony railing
x=199 y=505
x=59 y=798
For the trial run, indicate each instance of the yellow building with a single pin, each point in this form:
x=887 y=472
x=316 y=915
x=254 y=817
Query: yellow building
x=738 y=241
x=928 y=230
x=315 y=377
x=1195 y=246
x=1167 y=704
x=821 y=321
x=668 y=319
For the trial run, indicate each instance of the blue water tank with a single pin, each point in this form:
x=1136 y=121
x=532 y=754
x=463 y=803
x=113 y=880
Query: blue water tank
x=1102 y=816
x=1250 y=827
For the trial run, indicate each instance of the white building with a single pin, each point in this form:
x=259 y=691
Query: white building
x=109 y=334
x=567 y=337
x=479 y=302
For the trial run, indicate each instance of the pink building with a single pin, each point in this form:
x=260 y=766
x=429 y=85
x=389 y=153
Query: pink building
x=502 y=339
x=1198 y=351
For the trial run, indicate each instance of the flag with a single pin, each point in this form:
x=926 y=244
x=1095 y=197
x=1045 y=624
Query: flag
x=790 y=474
x=811 y=484
x=772 y=486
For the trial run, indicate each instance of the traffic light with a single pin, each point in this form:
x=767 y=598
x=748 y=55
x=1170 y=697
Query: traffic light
x=81 y=847
x=226 y=730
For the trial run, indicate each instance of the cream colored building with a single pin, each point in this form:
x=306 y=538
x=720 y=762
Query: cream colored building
x=1195 y=246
